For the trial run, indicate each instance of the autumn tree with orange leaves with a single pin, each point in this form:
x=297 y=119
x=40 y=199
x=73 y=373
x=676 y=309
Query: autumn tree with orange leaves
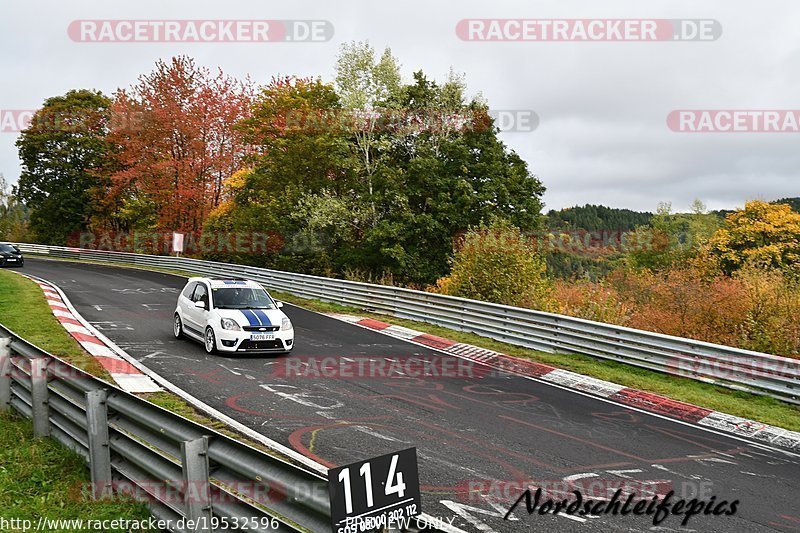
x=174 y=143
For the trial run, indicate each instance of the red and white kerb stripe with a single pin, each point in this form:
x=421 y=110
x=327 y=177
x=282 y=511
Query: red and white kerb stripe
x=646 y=401
x=127 y=376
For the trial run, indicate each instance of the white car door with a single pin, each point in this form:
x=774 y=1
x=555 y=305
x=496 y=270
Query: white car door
x=195 y=317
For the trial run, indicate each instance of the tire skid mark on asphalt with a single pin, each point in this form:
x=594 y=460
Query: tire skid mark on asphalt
x=127 y=376
x=316 y=465
x=646 y=401
x=487 y=355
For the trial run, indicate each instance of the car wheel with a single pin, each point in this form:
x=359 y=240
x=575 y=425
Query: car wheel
x=177 y=327
x=210 y=341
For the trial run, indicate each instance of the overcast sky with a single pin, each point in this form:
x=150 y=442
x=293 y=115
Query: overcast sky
x=602 y=137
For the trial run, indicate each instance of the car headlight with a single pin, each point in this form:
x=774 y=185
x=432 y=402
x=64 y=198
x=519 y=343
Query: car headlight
x=286 y=324
x=229 y=323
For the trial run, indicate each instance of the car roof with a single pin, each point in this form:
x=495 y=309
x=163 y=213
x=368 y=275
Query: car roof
x=219 y=283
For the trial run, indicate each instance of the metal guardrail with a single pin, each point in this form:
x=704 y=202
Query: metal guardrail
x=183 y=470
x=723 y=365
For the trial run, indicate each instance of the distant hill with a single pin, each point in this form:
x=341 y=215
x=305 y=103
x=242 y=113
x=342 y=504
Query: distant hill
x=594 y=263
x=596 y=217
x=793 y=202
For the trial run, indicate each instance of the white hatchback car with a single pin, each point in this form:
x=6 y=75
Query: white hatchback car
x=232 y=316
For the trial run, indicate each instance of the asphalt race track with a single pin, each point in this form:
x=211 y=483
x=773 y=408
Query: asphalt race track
x=469 y=431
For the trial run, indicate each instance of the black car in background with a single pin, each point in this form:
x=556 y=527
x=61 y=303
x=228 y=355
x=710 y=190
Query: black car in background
x=10 y=255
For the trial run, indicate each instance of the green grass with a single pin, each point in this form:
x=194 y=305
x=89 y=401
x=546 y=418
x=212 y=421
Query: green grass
x=24 y=310
x=743 y=404
x=52 y=474
x=39 y=477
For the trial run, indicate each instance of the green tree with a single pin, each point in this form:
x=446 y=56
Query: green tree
x=365 y=86
x=13 y=215
x=437 y=182
x=671 y=238
x=300 y=152
x=597 y=217
x=392 y=210
x=794 y=203
x=62 y=152
x=498 y=264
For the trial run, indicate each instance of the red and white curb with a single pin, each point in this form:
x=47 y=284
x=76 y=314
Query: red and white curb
x=135 y=380
x=645 y=401
x=127 y=376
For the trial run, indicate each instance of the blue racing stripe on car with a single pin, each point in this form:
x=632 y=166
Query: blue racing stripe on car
x=251 y=318
x=262 y=316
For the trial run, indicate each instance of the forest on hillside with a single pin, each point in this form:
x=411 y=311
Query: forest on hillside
x=367 y=174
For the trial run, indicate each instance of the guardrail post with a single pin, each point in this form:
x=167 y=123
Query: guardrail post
x=41 y=409
x=99 y=451
x=197 y=491
x=5 y=374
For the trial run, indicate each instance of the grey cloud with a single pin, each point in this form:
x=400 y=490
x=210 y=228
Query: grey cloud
x=602 y=136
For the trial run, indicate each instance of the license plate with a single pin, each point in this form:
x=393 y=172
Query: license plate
x=262 y=337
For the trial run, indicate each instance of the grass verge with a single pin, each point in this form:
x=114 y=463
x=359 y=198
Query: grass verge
x=24 y=309
x=752 y=406
x=41 y=478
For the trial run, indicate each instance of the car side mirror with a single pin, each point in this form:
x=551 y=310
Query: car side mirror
x=278 y=304
x=200 y=304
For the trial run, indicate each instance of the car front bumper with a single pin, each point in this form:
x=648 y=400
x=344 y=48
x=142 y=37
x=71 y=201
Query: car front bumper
x=240 y=342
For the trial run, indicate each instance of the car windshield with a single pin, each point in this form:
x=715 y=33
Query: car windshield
x=8 y=248
x=242 y=298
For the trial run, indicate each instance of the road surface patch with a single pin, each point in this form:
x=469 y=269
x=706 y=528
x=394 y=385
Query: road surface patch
x=127 y=376
x=645 y=401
